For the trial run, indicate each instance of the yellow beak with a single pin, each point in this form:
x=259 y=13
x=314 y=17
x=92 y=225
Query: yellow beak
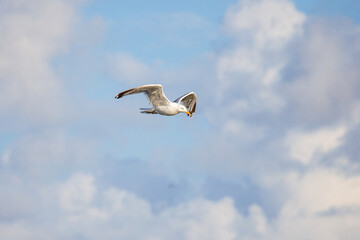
x=188 y=113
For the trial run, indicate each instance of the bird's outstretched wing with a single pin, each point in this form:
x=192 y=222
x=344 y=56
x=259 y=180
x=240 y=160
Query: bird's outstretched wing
x=188 y=100
x=154 y=92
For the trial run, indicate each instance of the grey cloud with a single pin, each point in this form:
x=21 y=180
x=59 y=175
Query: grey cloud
x=33 y=33
x=47 y=156
x=321 y=80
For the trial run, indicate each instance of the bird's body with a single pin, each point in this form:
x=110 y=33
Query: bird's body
x=170 y=109
x=161 y=104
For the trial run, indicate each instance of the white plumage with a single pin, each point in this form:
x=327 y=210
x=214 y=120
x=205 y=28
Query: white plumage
x=161 y=104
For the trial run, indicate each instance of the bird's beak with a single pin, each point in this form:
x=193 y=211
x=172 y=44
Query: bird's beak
x=188 y=113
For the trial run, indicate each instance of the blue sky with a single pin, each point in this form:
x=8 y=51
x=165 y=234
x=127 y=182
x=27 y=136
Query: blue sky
x=271 y=152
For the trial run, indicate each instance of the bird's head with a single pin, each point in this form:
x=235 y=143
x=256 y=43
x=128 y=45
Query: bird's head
x=182 y=108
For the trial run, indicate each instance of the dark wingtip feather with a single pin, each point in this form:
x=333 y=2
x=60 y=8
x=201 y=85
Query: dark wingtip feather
x=120 y=95
x=193 y=110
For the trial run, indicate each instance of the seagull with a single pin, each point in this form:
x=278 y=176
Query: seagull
x=161 y=104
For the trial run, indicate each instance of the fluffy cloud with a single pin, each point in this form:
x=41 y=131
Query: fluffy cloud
x=322 y=191
x=268 y=24
x=325 y=198
x=322 y=77
x=77 y=193
x=303 y=146
x=32 y=33
x=113 y=213
x=260 y=30
x=288 y=95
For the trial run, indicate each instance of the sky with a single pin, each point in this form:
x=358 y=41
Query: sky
x=271 y=152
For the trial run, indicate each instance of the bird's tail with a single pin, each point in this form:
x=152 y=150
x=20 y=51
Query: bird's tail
x=148 y=110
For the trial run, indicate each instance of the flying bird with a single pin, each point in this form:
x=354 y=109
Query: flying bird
x=161 y=104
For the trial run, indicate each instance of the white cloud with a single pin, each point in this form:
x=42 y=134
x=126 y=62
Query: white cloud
x=32 y=33
x=14 y=231
x=86 y=211
x=317 y=227
x=320 y=191
x=247 y=99
x=121 y=213
x=39 y=156
x=305 y=145
x=241 y=59
x=322 y=203
x=266 y=96
x=258 y=219
x=77 y=193
x=308 y=71
x=119 y=203
x=322 y=73
x=202 y=219
x=320 y=198
x=262 y=30
x=269 y=23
